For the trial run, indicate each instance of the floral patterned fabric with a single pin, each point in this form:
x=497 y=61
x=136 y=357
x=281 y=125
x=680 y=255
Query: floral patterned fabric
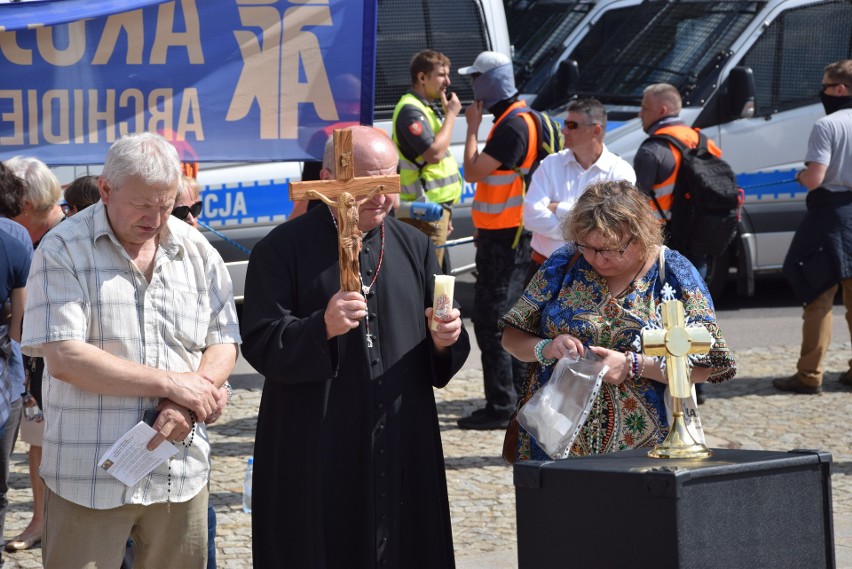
x=576 y=301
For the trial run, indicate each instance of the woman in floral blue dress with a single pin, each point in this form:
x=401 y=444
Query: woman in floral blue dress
x=598 y=293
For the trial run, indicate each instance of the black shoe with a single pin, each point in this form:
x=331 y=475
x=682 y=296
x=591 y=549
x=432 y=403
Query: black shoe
x=483 y=422
x=846 y=378
x=795 y=385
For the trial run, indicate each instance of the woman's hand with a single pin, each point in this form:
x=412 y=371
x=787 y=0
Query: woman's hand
x=563 y=345
x=617 y=362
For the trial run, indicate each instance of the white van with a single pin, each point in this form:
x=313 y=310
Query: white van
x=749 y=73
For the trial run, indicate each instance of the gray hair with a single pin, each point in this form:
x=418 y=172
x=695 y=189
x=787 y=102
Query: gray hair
x=42 y=189
x=592 y=108
x=146 y=155
x=666 y=94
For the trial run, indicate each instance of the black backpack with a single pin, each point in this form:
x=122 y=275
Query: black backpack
x=705 y=203
x=550 y=137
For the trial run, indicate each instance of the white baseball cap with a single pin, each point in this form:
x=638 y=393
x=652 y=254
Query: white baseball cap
x=485 y=62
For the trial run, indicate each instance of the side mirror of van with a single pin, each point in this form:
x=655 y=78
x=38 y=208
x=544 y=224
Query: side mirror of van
x=566 y=76
x=739 y=93
x=557 y=89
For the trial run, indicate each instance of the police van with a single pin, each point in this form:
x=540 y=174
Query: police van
x=546 y=33
x=749 y=73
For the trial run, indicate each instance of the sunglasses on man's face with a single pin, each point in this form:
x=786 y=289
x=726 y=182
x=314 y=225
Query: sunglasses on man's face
x=574 y=125
x=182 y=211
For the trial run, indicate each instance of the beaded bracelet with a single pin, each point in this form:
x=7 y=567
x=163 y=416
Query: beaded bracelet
x=642 y=367
x=193 y=418
x=635 y=367
x=229 y=389
x=628 y=364
x=539 y=353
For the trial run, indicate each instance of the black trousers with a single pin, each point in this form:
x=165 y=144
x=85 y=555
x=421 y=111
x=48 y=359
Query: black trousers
x=502 y=274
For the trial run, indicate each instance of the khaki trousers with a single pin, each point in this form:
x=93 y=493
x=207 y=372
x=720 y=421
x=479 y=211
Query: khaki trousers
x=816 y=332
x=436 y=230
x=167 y=536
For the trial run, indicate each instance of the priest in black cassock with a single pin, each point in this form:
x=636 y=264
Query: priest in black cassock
x=348 y=463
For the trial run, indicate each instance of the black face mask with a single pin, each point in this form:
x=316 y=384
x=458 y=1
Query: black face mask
x=832 y=103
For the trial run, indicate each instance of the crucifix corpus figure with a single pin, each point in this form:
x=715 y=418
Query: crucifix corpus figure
x=345 y=195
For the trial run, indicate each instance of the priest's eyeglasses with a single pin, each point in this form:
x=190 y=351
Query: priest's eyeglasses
x=182 y=211
x=609 y=254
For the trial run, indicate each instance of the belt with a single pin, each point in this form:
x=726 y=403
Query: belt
x=537 y=257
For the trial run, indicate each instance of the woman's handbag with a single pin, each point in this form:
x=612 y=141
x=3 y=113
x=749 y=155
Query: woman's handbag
x=510 y=440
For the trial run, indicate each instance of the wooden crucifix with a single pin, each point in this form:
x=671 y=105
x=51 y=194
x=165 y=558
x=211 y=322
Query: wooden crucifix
x=676 y=341
x=346 y=194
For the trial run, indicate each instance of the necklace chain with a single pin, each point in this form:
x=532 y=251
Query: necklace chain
x=629 y=284
x=365 y=290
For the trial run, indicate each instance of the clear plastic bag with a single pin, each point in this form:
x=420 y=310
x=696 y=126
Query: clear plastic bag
x=555 y=414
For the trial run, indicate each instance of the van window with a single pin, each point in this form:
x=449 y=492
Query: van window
x=454 y=27
x=538 y=33
x=680 y=43
x=788 y=59
x=546 y=83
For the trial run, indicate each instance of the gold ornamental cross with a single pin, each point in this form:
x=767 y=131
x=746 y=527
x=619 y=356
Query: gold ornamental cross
x=676 y=341
x=345 y=194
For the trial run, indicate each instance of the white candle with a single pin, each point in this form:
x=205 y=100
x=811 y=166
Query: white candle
x=443 y=300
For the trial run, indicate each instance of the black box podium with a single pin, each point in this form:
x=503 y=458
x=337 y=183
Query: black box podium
x=738 y=509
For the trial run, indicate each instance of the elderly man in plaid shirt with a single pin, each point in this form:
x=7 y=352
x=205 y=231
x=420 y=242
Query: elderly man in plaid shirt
x=132 y=309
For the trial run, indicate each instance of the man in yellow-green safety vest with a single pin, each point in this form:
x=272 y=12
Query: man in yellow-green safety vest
x=427 y=168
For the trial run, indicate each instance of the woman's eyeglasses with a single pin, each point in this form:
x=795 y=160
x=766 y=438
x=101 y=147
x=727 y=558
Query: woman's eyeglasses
x=574 y=125
x=67 y=207
x=608 y=254
x=182 y=211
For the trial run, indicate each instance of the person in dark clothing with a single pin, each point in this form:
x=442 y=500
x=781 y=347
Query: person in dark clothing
x=820 y=258
x=348 y=463
x=501 y=172
x=16 y=254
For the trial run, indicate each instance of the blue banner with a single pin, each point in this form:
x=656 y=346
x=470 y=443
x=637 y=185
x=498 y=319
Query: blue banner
x=225 y=80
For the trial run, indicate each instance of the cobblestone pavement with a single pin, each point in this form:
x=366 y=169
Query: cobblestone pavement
x=746 y=412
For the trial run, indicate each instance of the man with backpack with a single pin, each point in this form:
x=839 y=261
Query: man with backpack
x=691 y=189
x=428 y=171
x=501 y=173
x=562 y=177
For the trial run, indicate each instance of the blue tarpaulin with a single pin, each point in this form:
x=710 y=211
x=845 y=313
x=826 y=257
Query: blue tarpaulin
x=225 y=80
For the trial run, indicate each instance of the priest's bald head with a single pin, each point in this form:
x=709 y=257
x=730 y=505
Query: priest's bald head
x=374 y=154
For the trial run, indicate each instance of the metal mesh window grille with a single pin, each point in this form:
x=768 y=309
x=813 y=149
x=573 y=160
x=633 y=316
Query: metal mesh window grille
x=538 y=33
x=406 y=27
x=788 y=59
x=672 y=42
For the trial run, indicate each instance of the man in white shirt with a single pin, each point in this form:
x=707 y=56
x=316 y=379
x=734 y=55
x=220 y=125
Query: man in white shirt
x=562 y=177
